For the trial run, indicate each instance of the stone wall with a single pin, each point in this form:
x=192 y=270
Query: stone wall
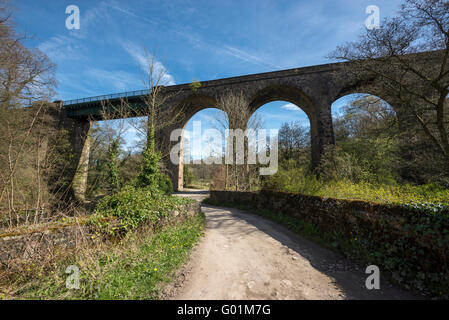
x=43 y=240
x=330 y=214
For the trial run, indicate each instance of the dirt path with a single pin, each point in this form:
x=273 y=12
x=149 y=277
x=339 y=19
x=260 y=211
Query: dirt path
x=244 y=256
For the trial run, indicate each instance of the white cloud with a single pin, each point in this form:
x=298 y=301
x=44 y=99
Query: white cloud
x=200 y=43
x=291 y=107
x=120 y=80
x=74 y=88
x=242 y=55
x=62 y=48
x=283 y=117
x=206 y=118
x=91 y=18
x=143 y=59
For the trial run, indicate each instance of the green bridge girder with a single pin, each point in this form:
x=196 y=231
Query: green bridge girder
x=93 y=107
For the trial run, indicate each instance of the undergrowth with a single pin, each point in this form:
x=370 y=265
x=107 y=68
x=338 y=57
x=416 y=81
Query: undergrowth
x=294 y=180
x=134 y=206
x=135 y=268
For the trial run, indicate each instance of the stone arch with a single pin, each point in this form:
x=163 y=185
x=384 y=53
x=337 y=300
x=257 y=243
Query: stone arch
x=285 y=93
x=364 y=88
x=297 y=97
x=356 y=95
x=402 y=115
x=192 y=104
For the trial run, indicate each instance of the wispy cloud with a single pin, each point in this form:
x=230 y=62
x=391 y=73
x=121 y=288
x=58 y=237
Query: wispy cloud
x=120 y=80
x=207 y=119
x=114 y=5
x=91 y=18
x=279 y=116
x=143 y=59
x=200 y=43
x=63 y=48
x=242 y=55
x=73 y=87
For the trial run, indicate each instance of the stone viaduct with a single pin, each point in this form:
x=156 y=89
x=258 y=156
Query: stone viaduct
x=313 y=89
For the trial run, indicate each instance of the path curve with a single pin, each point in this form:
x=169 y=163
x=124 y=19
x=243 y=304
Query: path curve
x=245 y=256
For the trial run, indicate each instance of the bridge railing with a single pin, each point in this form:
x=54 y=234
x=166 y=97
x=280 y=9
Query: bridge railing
x=106 y=97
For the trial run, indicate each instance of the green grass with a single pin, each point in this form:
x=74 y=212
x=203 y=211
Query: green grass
x=199 y=184
x=136 y=268
x=295 y=181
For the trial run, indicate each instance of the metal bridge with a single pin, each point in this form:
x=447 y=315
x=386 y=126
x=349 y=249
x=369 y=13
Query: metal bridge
x=92 y=106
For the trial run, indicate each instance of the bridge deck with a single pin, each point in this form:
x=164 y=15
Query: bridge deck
x=91 y=106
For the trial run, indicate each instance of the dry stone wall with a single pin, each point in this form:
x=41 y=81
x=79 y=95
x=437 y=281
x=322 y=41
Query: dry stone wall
x=43 y=240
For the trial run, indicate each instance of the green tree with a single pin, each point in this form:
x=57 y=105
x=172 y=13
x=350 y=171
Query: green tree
x=367 y=139
x=149 y=169
x=158 y=117
x=188 y=176
x=113 y=174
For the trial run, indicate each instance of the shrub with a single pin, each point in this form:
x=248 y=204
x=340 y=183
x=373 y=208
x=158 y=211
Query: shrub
x=293 y=180
x=165 y=184
x=150 y=177
x=195 y=85
x=336 y=164
x=149 y=173
x=188 y=176
x=134 y=206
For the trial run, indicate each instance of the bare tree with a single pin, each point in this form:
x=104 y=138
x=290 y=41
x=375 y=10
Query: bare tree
x=420 y=90
x=151 y=116
x=157 y=113
x=26 y=75
x=293 y=137
x=106 y=152
x=237 y=115
x=26 y=79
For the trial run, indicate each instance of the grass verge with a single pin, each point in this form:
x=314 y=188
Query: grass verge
x=294 y=180
x=135 y=268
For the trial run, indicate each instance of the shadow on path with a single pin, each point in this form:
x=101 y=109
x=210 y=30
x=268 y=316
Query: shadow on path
x=348 y=275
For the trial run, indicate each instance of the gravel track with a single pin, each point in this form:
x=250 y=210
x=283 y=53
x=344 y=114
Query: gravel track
x=245 y=256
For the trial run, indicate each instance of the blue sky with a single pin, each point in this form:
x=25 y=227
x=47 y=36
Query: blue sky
x=191 y=39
